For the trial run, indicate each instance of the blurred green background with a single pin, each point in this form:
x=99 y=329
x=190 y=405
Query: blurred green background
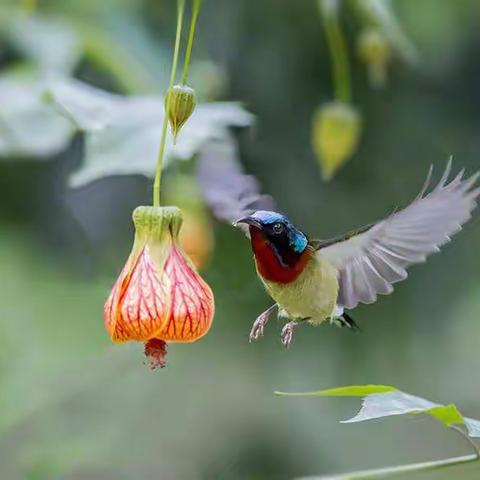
x=75 y=407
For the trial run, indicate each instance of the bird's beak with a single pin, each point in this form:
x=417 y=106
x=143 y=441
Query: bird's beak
x=252 y=221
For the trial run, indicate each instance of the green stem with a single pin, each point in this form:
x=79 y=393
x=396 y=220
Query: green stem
x=413 y=467
x=338 y=51
x=191 y=36
x=163 y=138
x=401 y=469
x=467 y=438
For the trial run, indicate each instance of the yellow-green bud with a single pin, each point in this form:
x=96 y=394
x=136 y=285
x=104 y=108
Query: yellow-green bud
x=335 y=134
x=374 y=50
x=180 y=102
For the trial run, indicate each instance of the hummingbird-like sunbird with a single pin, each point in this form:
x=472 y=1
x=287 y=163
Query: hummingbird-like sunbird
x=316 y=281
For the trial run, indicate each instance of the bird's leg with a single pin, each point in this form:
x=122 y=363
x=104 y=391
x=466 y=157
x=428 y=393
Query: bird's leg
x=257 y=328
x=288 y=330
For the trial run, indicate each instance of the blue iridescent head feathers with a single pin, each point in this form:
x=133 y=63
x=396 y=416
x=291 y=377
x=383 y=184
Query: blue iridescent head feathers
x=297 y=240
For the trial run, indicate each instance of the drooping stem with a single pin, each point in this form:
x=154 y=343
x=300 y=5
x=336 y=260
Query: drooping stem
x=401 y=469
x=338 y=50
x=413 y=467
x=191 y=36
x=467 y=438
x=163 y=137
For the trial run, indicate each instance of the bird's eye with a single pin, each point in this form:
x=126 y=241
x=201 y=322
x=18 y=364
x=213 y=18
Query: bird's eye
x=277 y=228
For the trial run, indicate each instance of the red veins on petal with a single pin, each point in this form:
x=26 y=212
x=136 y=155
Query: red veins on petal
x=174 y=305
x=138 y=304
x=192 y=307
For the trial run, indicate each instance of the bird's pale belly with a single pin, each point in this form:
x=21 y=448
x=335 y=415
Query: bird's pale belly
x=312 y=295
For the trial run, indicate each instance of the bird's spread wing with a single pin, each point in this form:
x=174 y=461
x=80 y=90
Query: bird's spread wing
x=229 y=192
x=371 y=261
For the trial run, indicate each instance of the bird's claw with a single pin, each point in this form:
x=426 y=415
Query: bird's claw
x=257 y=328
x=287 y=333
x=258 y=325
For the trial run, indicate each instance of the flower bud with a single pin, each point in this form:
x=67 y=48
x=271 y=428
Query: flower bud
x=180 y=102
x=374 y=50
x=335 y=135
x=158 y=297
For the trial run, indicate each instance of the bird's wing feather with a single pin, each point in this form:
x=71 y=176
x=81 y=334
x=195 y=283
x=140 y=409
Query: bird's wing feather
x=229 y=192
x=370 y=262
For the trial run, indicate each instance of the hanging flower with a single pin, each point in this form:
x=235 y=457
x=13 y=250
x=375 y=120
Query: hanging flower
x=158 y=297
x=335 y=134
x=374 y=50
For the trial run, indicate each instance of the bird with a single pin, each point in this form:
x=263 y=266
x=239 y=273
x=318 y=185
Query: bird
x=315 y=281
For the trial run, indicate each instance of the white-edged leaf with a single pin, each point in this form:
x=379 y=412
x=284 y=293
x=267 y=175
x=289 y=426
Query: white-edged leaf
x=380 y=405
x=87 y=107
x=28 y=126
x=122 y=134
x=384 y=401
x=50 y=43
x=473 y=426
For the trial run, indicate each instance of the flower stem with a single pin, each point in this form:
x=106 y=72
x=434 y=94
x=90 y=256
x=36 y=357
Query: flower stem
x=338 y=50
x=163 y=138
x=191 y=36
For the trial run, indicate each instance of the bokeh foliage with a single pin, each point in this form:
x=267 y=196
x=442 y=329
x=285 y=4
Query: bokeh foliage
x=74 y=407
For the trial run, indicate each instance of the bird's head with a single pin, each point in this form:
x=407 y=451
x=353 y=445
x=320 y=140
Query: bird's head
x=279 y=247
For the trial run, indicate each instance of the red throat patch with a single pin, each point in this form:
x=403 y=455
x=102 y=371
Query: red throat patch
x=271 y=266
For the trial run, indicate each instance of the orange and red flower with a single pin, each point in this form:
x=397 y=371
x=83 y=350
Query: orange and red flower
x=158 y=297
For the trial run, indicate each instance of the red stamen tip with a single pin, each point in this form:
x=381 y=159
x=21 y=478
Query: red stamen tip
x=156 y=351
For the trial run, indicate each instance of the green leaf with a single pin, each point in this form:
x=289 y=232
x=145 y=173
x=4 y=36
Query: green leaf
x=396 y=402
x=123 y=48
x=381 y=401
x=350 y=391
x=448 y=414
x=50 y=43
x=473 y=426
x=29 y=127
x=122 y=133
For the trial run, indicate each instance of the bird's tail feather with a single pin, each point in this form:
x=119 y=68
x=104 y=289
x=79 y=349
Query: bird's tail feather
x=346 y=321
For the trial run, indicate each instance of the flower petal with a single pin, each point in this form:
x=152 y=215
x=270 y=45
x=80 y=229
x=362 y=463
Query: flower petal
x=192 y=306
x=138 y=305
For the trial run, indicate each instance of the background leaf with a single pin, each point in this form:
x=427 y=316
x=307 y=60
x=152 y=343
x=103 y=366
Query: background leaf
x=50 y=43
x=29 y=127
x=122 y=133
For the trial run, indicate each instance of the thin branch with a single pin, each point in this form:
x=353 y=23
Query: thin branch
x=476 y=449
x=191 y=36
x=397 y=470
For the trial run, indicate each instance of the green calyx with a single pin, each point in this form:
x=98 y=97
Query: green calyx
x=156 y=222
x=180 y=102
